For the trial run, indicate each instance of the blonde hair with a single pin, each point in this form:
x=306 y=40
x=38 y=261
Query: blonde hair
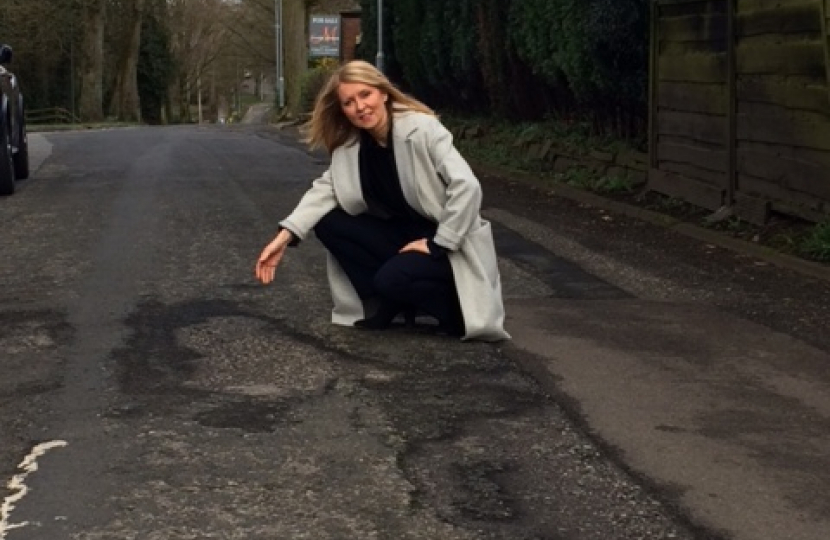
x=329 y=127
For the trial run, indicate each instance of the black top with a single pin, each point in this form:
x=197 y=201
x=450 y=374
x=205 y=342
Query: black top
x=379 y=180
x=381 y=186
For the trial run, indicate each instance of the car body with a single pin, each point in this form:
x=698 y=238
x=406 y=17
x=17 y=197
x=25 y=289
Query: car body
x=14 y=143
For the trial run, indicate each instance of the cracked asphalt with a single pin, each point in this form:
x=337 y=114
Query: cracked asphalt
x=195 y=403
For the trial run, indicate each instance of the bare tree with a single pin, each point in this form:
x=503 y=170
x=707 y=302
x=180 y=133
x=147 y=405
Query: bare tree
x=198 y=33
x=254 y=32
x=295 y=41
x=125 y=103
x=91 y=69
x=41 y=35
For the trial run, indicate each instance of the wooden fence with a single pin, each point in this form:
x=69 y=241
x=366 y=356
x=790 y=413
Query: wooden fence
x=739 y=105
x=51 y=115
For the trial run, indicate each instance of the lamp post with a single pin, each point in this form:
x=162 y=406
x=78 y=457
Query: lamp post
x=379 y=58
x=72 y=68
x=280 y=80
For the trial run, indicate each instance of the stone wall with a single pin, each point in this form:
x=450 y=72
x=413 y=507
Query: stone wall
x=547 y=154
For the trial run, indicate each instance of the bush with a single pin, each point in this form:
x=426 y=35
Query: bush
x=313 y=81
x=816 y=245
x=576 y=60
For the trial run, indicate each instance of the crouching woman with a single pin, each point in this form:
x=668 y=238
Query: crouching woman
x=398 y=212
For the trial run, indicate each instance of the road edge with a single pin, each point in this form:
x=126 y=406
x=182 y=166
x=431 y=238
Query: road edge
x=802 y=266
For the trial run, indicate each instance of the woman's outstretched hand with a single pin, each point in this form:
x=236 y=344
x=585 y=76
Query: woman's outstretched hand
x=266 y=265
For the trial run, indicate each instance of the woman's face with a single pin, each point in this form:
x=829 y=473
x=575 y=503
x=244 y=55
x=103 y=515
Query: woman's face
x=364 y=106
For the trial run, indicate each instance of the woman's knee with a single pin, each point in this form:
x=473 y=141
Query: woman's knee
x=330 y=223
x=391 y=281
x=397 y=276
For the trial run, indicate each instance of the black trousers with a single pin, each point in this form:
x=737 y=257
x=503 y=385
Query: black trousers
x=367 y=249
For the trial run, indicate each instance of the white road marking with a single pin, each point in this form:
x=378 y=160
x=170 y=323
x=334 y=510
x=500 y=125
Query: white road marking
x=18 y=485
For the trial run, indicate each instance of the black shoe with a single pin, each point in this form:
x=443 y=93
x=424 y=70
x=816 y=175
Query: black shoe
x=384 y=316
x=453 y=327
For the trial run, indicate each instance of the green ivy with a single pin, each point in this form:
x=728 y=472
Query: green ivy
x=577 y=60
x=313 y=81
x=816 y=244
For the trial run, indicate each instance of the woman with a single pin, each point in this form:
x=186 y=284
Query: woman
x=398 y=212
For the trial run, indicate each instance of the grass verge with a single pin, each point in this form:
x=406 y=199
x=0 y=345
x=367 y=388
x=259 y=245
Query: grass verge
x=496 y=145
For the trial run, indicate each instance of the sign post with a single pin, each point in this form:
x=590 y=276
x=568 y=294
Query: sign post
x=379 y=59
x=280 y=82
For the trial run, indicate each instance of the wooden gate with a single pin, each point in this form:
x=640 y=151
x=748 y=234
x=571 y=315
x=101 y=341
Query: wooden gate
x=739 y=105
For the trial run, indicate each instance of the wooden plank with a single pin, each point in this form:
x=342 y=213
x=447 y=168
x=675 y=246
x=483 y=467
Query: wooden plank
x=810 y=210
x=695 y=4
x=694 y=67
x=755 y=186
x=679 y=8
x=784 y=92
x=689 y=97
x=797 y=18
x=681 y=140
x=697 y=127
x=675 y=185
x=786 y=200
x=751 y=208
x=806 y=155
x=801 y=58
x=703 y=158
x=778 y=125
x=806 y=177
x=701 y=26
x=752 y=185
x=753 y=5
x=683 y=48
x=704 y=176
x=818 y=186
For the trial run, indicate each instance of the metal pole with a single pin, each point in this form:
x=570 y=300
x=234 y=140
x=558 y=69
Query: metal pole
x=732 y=108
x=72 y=68
x=280 y=82
x=379 y=59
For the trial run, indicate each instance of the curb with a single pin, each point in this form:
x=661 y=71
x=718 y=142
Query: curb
x=769 y=255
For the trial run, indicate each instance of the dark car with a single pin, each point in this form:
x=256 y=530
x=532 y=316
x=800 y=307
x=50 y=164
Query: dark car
x=14 y=145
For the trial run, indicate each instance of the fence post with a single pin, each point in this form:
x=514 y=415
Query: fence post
x=825 y=44
x=732 y=105
x=654 y=44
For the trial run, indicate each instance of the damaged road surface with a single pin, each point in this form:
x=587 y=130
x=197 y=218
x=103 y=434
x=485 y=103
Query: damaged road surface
x=152 y=389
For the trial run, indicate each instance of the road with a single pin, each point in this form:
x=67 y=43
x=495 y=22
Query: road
x=153 y=390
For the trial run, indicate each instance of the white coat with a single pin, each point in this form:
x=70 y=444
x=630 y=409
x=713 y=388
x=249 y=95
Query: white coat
x=437 y=183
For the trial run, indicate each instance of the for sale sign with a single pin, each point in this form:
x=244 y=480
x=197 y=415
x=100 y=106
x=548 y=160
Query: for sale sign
x=324 y=36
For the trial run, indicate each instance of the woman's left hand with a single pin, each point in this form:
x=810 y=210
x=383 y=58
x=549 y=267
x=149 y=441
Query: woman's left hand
x=419 y=246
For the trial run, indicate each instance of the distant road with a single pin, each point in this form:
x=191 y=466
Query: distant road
x=257 y=114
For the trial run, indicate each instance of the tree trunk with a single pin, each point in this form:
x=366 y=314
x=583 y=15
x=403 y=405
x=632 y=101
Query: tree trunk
x=295 y=40
x=125 y=104
x=213 y=95
x=91 y=100
x=184 y=103
x=176 y=100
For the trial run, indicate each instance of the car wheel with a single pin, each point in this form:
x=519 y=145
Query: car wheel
x=6 y=163
x=21 y=157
